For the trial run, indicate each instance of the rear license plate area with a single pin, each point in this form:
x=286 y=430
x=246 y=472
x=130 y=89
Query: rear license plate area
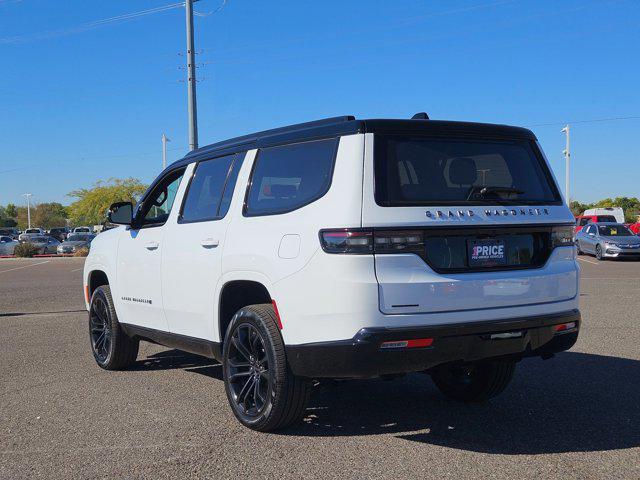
x=486 y=253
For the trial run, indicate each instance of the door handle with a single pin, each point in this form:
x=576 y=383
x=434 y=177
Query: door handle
x=151 y=245
x=209 y=242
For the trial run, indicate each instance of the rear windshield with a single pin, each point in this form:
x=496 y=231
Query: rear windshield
x=414 y=171
x=606 y=218
x=614 y=231
x=79 y=238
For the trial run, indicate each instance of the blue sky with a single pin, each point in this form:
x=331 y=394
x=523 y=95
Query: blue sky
x=82 y=103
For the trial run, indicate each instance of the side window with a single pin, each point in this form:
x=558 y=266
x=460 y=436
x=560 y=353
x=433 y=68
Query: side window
x=584 y=221
x=157 y=206
x=212 y=182
x=291 y=176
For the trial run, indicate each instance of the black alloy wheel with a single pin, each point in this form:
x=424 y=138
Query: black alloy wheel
x=248 y=370
x=263 y=392
x=111 y=347
x=100 y=330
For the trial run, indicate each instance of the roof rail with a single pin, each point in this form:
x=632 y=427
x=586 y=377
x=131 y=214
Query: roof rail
x=314 y=123
x=420 y=116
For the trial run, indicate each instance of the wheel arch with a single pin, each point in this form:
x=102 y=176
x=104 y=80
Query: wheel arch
x=236 y=294
x=95 y=279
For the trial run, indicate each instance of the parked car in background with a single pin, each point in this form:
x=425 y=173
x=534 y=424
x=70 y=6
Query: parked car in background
x=616 y=212
x=59 y=233
x=75 y=241
x=10 y=232
x=635 y=228
x=608 y=240
x=82 y=230
x=582 y=220
x=30 y=233
x=7 y=245
x=44 y=243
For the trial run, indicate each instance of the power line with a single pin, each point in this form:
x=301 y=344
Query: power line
x=86 y=26
x=610 y=119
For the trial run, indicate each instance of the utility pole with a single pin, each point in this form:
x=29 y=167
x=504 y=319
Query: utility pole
x=191 y=79
x=28 y=196
x=567 y=157
x=165 y=139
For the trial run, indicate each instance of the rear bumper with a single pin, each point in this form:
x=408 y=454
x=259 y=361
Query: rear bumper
x=362 y=357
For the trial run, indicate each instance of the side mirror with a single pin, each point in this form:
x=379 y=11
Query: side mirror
x=120 y=213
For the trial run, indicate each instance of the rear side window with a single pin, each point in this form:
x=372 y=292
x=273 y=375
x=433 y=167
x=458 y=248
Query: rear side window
x=415 y=171
x=211 y=188
x=291 y=176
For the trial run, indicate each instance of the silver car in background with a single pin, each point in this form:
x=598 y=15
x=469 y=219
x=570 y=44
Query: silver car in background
x=608 y=240
x=44 y=244
x=7 y=245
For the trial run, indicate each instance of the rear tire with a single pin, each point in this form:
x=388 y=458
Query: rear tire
x=473 y=382
x=263 y=392
x=112 y=349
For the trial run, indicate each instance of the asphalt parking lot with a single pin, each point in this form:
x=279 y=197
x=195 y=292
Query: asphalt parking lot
x=575 y=416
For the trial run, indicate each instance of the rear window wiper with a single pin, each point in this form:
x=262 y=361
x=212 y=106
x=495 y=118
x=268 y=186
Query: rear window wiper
x=477 y=192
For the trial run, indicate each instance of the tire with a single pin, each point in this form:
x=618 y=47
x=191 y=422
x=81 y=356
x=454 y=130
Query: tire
x=580 y=252
x=263 y=393
x=473 y=382
x=112 y=349
x=599 y=255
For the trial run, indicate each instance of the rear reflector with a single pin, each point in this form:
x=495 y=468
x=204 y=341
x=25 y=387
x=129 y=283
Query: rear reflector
x=415 y=343
x=564 y=327
x=86 y=294
x=275 y=309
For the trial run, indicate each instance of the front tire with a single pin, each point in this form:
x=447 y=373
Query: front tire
x=263 y=393
x=599 y=254
x=112 y=349
x=473 y=382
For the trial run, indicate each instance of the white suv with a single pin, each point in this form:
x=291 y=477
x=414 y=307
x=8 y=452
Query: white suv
x=343 y=248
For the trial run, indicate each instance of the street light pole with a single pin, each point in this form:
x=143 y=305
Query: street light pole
x=28 y=196
x=165 y=139
x=567 y=157
x=191 y=79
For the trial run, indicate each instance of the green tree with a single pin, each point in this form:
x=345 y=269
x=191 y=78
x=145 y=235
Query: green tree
x=43 y=215
x=92 y=204
x=578 y=208
x=11 y=210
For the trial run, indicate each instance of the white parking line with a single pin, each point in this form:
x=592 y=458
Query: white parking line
x=588 y=261
x=24 y=266
x=77 y=269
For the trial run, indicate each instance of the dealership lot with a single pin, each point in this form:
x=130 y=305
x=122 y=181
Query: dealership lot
x=576 y=416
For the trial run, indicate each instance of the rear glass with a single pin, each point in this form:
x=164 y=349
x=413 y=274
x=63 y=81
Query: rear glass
x=414 y=171
x=606 y=218
x=614 y=231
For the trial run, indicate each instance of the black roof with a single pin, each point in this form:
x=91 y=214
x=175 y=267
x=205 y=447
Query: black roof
x=347 y=125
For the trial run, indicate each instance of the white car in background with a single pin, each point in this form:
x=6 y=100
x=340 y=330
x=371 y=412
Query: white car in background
x=30 y=233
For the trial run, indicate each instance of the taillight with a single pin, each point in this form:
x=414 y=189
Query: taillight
x=369 y=241
x=386 y=241
x=562 y=236
x=347 y=241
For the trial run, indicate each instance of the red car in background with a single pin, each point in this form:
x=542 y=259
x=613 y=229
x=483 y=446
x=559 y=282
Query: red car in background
x=582 y=220
x=635 y=228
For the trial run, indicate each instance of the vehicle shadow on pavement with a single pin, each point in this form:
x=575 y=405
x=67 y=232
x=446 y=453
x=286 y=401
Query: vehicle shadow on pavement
x=21 y=314
x=576 y=402
x=171 y=359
